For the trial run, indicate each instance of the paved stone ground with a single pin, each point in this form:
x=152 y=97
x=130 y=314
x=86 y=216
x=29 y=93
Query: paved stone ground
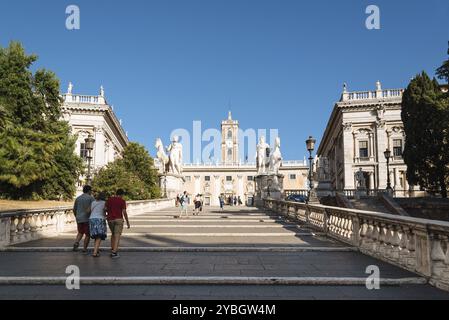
x=239 y=242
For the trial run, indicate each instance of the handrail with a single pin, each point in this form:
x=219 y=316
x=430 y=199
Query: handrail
x=416 y=244
x=20 y=226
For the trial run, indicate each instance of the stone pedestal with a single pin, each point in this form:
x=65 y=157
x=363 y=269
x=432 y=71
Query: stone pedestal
x=360 y=192
x=324 y=189
x=171 y=184
x=268 y=186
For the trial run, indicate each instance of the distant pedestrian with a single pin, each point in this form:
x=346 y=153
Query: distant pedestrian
x=197 y=203
x=115 y=212
x=97 y=222
x=184 y=201
x=81 y=209
x=235 y=200
x=221 y=200
x=240 y=201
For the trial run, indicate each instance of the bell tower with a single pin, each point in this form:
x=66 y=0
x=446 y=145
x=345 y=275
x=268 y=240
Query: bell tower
x=229 y=140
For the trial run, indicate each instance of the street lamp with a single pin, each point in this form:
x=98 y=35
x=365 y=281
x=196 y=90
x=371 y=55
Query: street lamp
x=89 y=145
x=387 y=154
x=310 y=143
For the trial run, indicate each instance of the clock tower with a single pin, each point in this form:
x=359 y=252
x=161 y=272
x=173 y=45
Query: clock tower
x=229 y=140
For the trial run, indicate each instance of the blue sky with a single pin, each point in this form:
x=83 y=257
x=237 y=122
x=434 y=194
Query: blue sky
x=275 y=63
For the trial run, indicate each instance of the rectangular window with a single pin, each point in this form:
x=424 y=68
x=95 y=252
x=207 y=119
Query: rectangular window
x=293 y=177
x=188 y=178
x=83 y=151
x=206 y=178
x=250 y=178
x=397 y=148
x=228 y=178
x=363 y=149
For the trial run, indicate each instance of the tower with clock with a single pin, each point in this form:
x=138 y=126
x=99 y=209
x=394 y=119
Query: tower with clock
x=229 y=140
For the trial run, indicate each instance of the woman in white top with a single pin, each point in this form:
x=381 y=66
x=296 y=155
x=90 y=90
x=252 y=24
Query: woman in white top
x=97 y=222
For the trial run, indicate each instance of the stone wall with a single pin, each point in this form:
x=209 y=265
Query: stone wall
x=426 y=208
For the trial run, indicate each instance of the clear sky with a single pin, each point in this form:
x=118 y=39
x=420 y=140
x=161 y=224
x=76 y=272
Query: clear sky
x=275 y=63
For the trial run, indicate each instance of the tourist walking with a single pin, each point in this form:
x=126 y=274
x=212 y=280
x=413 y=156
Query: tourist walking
x=97 y=222
x=197 y=203
x=115 y=212
x=235 y=200
x=81 y=209
x=184 y=201
x=221 y=200
x=240 y=201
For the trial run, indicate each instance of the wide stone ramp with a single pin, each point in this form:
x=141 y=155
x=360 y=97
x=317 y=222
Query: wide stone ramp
x=221 y=253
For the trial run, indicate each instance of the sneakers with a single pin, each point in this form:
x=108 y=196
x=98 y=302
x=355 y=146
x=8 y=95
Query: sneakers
x=75 y=246
x=115 y=255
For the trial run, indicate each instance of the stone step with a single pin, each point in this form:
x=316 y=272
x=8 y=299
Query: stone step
x=212 y=280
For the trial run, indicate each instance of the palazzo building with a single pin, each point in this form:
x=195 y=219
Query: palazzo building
x=92 y=115
x=361 y=127
x=232 y=177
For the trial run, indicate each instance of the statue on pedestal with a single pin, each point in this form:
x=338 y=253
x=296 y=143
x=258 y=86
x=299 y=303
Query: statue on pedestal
x=261 y=160
x=275 y=160
x=360 y=179
x=161 y=156
x=175 y=158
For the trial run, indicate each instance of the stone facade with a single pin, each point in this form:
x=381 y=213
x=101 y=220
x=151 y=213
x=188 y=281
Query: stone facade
x=234 y=178
x=361 y=127
x=88 y=114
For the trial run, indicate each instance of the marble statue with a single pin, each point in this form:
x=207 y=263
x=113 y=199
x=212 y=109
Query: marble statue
x=101 y=91
x=275 y=160
x=161 y=155
x=70 y=88
x=262 y=155
x=175 y=157
x=360 y=179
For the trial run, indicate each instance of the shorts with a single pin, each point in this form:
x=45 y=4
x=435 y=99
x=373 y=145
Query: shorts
x=83 y=228
x=97 y=228
x=116 y=226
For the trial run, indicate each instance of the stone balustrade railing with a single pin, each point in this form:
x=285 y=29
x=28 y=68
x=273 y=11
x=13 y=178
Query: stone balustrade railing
x=367 y=95
x=418 y=245
x=26 y=225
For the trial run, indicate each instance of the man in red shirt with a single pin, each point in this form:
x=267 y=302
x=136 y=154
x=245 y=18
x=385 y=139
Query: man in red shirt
x=115 y=211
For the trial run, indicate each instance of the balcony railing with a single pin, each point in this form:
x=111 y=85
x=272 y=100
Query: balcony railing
x=369 y=95
x=418 y=245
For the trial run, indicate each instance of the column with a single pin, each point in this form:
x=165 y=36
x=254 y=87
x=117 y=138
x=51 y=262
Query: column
x=382 y=144
x=197 y=184
x=98 y=152
x=348 y=154
x=397 y=185
x=240 y=191
x=217 y=191
x=371 y=180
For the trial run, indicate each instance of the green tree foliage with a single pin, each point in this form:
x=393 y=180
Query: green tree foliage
x=37 y=157
x=134 y=173
x=425 y=114
x=443 y=71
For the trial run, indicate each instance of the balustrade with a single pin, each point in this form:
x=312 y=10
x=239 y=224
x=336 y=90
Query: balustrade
x=418 y=245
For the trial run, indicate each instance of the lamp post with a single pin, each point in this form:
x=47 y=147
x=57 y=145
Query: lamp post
x=387 y=154
x=89 y=145
x=310 y=144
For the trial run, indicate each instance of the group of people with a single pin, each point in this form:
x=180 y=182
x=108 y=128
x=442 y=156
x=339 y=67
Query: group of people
x=183 y=200
x=92 y=214
x=232 y=201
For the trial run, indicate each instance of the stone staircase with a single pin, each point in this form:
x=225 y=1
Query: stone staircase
x=238 y=253
x=370 y=204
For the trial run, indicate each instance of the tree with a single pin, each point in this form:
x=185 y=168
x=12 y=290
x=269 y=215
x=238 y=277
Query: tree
x=115 y=176
x=443 y=71
x=37 y=158
x=134 y=172
x=426 y=124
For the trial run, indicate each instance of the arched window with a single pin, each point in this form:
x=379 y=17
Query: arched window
x=229 y=152
x=229 y=134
